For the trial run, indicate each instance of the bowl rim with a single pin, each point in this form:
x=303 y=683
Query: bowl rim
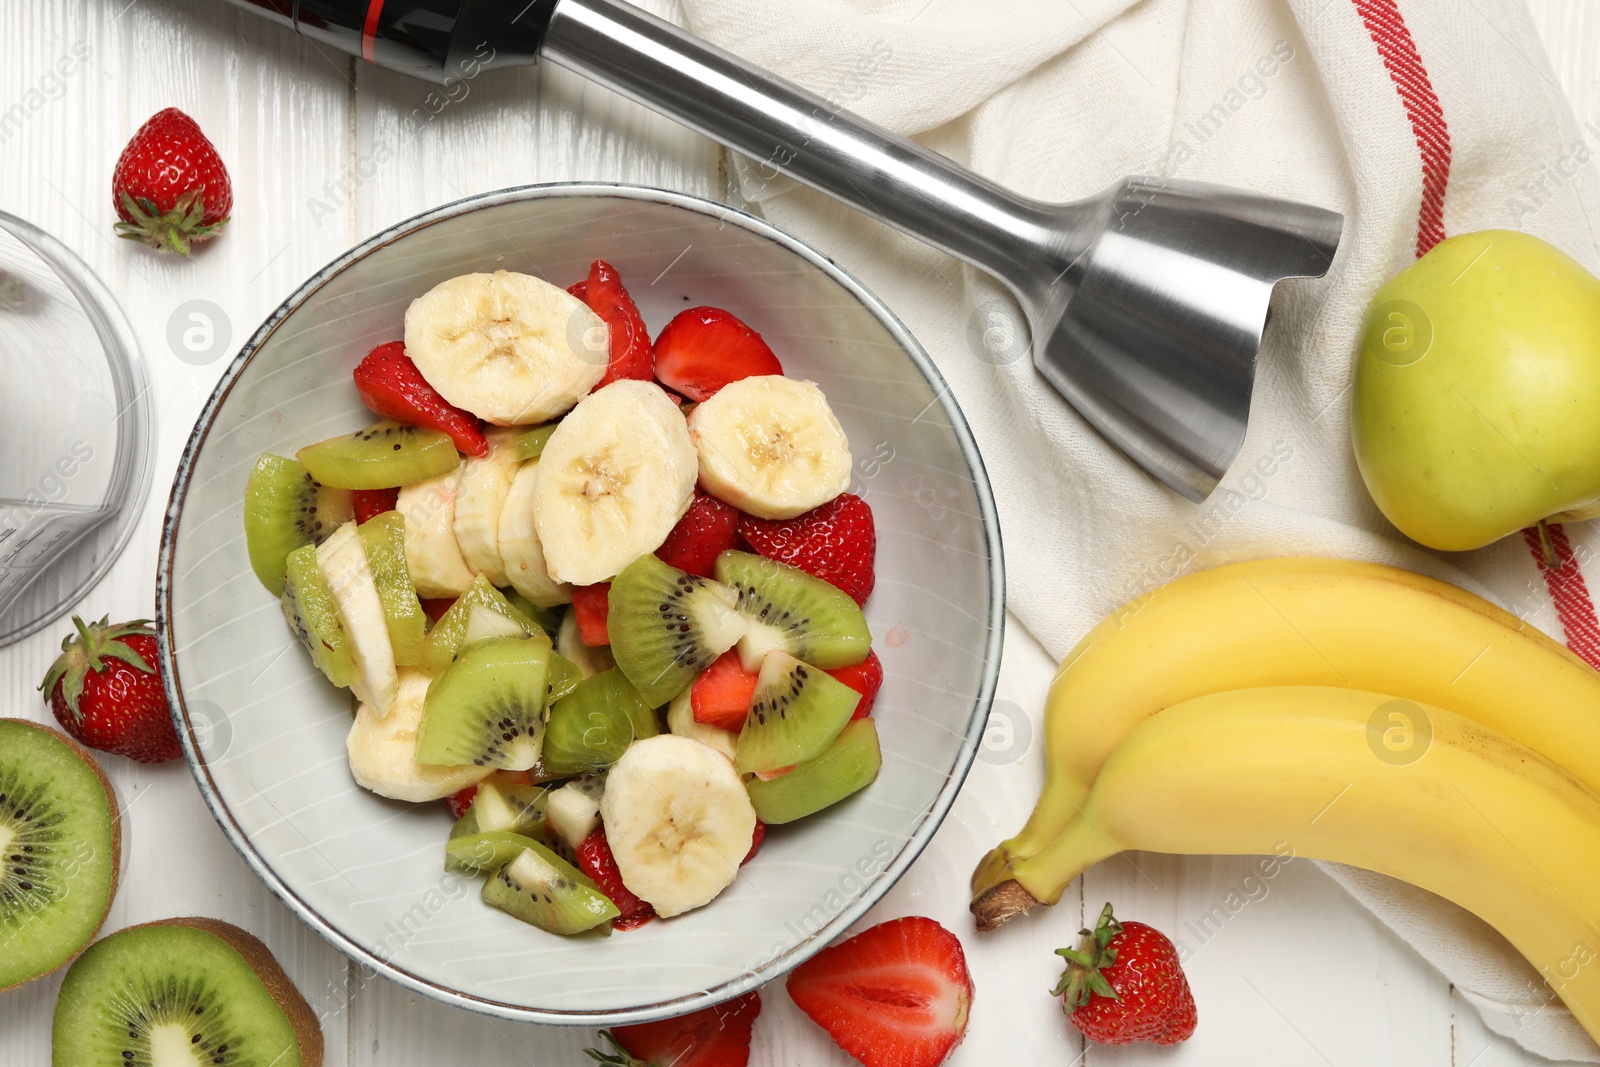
x=777 y=965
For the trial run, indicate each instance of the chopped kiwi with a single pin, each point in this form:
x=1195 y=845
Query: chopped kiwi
x=667 y=626
x=547 y=619
x=382 y=456
x=589 y=729
x=383 y=537
x=545 y=890
x=795 y=713
x=190 y=992
x=529 y=442
x=487 y=708
x=284 y=508
x=60 y=850
x=573 y=811
x=488 y=851
x=564 y=677
x=447 y=635
x=503 y=804
x=309 y=607
x=849 y=765
x=788 y=609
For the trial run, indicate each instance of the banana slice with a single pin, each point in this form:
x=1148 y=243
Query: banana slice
x=679 y=822
x=510 y=348
x=343 y=563
x=614 y=479
x=520 y=550
x=771 y=446
x=680 y=720
x=383 y=749
x=433 y=555
x=480 y=496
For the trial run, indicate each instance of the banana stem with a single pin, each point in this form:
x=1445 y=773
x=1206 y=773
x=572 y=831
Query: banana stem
x=999 y=904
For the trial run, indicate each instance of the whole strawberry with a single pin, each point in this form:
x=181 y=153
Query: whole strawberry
x=1125 y=985
x=170 y=188
x=105 y=689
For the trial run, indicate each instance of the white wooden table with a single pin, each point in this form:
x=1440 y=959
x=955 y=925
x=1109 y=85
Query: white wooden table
x=1300 y=976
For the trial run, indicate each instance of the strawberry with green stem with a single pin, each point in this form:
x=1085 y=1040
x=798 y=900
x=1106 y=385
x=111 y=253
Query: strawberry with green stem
x=106 y=691
x=1125 y=984
x=170 y=188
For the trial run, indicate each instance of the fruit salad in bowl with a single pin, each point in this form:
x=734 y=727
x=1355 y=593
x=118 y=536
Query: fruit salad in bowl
x=580 y=561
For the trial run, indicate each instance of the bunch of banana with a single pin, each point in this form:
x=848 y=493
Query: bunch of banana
x=1362 y=714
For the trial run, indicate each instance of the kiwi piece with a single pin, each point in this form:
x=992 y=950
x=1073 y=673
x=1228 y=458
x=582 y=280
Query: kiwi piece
x=589 y=729
x=503 y=804
x=788 y=609
x=382 y=456
x=572 y=811
x=529 y=442
x=547 y=619
x=309 y=607
x=383 y=538
x=183 y=991
x=450 y=632
x=564 y=676
x=60 y=850
x=487 y=708
x=284 y=508
x=546 y=891
x=850 y=764
x=795 y=713
x=488 y=851
x=667 y=626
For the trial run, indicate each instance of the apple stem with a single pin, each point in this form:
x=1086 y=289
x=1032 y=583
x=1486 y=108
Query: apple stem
x=1552 y=562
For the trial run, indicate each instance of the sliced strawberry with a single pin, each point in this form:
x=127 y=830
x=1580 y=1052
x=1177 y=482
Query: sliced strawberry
x=595 y=860
x=721 y=695
x=580 y=290
x=460 y=802
x=707 y=529
x=755 y=842
x=836 y=542
x=717 y=1036
x=591 y=606
x=631 y=353
x=896 y=995
x=705 y=348
x=865 y=678
x=370 y=502
x=435 y=607
x=391 y=385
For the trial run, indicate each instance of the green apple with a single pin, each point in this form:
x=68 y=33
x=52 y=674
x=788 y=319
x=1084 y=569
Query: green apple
x=1477 y=391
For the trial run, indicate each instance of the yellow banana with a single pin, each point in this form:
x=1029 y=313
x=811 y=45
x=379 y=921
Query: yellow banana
x=1478 y=819
x=1302 y=621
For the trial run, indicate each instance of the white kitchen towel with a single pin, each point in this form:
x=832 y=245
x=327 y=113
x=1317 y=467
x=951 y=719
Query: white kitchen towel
x=1413 y=117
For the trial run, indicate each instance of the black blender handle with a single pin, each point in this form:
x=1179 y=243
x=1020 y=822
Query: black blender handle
x=441 y=41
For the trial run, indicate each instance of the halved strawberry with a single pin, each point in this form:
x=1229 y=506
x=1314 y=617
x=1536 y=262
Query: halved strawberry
x=718 y=1036
x=631 y=353
x=595 y=860
x=721 y=695
x=460 y=802
x=897 y=995
x=836 y=542
x=705 y=348
x=591 y=606
x=580 y=290
x=756 y=838
x=865 y=678
x=370 y=502
x=391 y=385
x=435 y=607
x=707 y=529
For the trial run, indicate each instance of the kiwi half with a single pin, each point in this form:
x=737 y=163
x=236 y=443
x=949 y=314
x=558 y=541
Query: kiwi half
x=666 y=626
x=448 y=634
x=384 y=455
x=383 y=538
x=183 y=991
x=60 y=850
x=487 y=708
x=850 y=764
x=788 y=609
x=284 y=508
x=545 y=890
x=589 y=729
x=308 y=605
x=795 y=713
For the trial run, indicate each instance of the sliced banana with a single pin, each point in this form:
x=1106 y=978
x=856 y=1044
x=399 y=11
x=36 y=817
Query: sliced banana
x=480 y=496
x=590 y=660
x=520 y=550
x=383 y=749
x=680 y=720
x=433 y=555
x=678 y=820
x=614 y=479
x=771 y=446
x=510 y=348
x=343 y=563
